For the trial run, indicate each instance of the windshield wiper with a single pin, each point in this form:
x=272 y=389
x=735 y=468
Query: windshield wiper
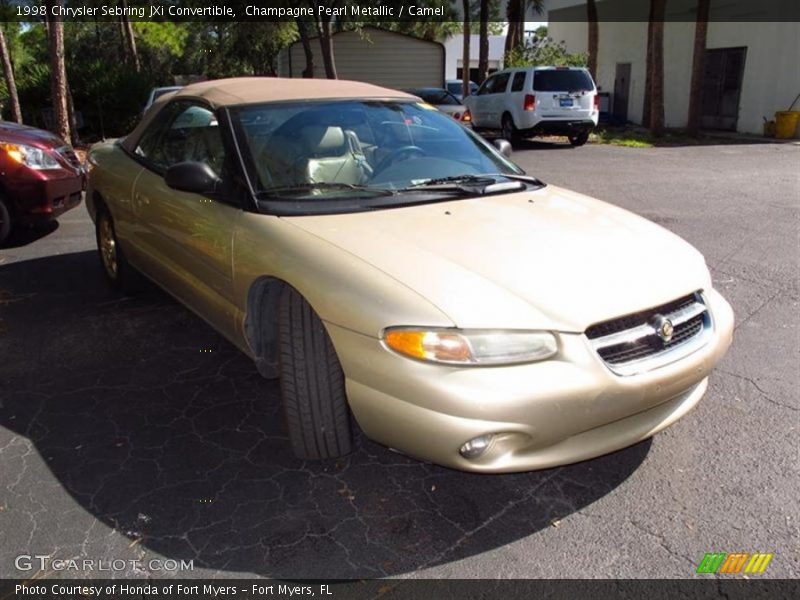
x=466 y=178
x=471 y=184
x=322 y=185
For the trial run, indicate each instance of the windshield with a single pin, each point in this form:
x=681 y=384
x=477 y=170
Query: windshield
x=317 y=151
x=566 y=80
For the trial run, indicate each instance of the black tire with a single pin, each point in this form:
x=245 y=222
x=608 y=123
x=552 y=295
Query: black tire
x=312 y=382
x=579 y=139
x=5 y=221
x=119 y=272
x=509 y=130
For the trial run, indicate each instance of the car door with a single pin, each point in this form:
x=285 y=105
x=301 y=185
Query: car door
x=188 y=238
x=497 y=100
x=478 y=103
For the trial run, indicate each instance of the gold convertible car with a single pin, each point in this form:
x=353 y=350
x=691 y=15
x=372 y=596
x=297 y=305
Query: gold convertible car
x=392 y=267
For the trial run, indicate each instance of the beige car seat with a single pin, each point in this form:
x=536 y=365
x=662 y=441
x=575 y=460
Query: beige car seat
x=333 y=156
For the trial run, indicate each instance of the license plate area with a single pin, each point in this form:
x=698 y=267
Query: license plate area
x=565 y=102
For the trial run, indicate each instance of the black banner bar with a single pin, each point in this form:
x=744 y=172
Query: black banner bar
x=399 y=589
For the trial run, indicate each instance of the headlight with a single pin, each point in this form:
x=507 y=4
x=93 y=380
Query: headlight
x=29 y=156
x=471 y=347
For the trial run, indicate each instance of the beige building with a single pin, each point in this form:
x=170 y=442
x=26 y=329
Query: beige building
x=752 y=68
x=375 y=56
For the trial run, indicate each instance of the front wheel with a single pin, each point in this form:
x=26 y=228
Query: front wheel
x=579 y=139
x=120 y=274
x=312 y=382
x=5 y=221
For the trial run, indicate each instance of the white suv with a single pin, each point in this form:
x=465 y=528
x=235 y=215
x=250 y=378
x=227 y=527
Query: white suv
x=537 y=101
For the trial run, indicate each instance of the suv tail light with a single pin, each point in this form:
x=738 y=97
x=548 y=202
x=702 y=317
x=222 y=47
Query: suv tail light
x=596 y=102
x=530 y=102
x=466 y=117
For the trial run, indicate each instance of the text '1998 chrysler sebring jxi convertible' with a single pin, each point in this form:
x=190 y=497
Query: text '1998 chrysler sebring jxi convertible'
x=392 y=268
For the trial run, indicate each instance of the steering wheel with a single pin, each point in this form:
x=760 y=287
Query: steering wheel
x=395 y=154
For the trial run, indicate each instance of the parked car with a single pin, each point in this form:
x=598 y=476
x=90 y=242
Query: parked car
x=384 y=262
x=537 y=101
x=156 y=93
x=443 y=101
x=454 y=86
x=40 y=177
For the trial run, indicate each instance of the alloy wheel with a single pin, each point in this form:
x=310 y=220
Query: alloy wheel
x=108 y=248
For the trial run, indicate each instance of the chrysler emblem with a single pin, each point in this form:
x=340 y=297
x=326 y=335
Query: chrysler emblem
x=663 y=327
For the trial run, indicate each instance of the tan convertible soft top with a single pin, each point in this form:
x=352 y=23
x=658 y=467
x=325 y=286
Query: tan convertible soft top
x=253 y=90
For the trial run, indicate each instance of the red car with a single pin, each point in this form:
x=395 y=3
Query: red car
x=40 y=176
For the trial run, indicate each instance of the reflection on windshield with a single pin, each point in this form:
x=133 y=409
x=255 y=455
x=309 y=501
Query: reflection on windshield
x=377 y=145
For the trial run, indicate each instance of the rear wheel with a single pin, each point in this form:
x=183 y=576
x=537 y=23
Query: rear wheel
x=312 y=382
x=579 y=139
x=120 y=274
x=5 y=221
x=509 y=130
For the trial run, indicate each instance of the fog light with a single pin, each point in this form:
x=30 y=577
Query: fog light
x=477 y=446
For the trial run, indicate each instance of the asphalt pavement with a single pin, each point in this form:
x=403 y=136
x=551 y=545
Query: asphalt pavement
x=131 y=432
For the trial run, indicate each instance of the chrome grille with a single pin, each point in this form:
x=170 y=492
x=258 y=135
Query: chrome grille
x=631 y=344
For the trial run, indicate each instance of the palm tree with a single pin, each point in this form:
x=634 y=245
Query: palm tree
x=326 y=44
x=591 y=18
x=58 y=71
x=308 y=72
x=655 y=66
x=8 y=72
x=466 y=59
x=516 y=11
x=698 y=66
x=130 y=40
x=483 y=42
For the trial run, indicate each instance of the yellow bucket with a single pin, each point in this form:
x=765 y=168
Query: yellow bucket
x=786 y=123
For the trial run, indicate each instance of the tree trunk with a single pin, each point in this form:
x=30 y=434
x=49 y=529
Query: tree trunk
x=514 y=9
x=11 y=85
x=58 y=73
x=483 y=44
x=130 y=40
x=698 y=67
x=657 y=70
x=594 y=33
x=326 y=44
x=466 y=59
x=308 y=72
x=648 y=77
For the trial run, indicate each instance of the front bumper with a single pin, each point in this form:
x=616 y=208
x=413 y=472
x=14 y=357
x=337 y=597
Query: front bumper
x=555 y=412
x=45 y=195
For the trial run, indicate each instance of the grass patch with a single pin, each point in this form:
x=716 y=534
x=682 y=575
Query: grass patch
x=623 y=137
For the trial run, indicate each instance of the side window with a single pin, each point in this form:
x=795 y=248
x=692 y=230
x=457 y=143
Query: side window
x=518 y=84
x=189 y=133
x=148 y=142
x=487 y=86
x=500 y=84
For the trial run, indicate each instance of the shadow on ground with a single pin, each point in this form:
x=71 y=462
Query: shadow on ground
x=24 y=235
x=162 y=430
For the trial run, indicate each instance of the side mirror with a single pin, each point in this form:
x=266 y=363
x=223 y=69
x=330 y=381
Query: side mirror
x=193 y=177
x=504 y=146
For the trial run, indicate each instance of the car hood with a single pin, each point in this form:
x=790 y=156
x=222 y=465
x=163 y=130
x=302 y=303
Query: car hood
x=23 y=134
x=550 y=258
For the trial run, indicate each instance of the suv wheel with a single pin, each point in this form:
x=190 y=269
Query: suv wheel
x=5 y=221
x=579 y=139
x=510 y=131
x=312 y=382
